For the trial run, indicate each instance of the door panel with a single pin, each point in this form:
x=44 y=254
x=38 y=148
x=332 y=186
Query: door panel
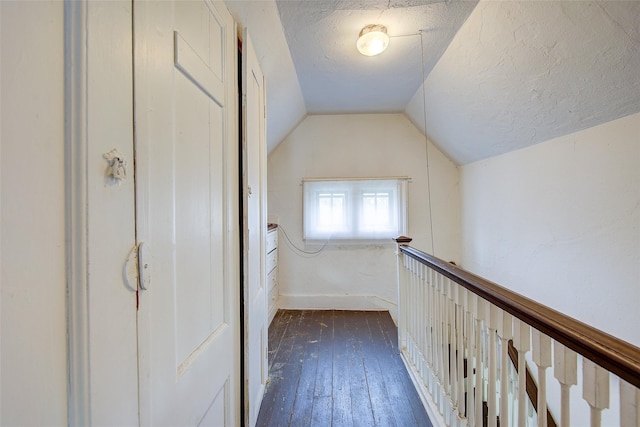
x=187 y=201
x=254 y=149
x=198 y=222
x=216 y=414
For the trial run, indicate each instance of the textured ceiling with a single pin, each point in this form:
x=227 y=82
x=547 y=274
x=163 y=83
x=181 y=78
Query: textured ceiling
x=501 y=75
x=335 y=78
x=520 y=73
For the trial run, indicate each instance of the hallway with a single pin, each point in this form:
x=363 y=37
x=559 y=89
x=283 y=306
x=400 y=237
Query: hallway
x=337 y=368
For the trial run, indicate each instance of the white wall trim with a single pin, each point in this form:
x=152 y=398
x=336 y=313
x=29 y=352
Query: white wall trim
x=76 y=215
x=437 y=420
x=338 y=302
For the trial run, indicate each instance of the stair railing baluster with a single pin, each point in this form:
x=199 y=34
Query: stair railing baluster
x=432 y=332
x=454 y=332
x=595 y=390
x=492 y=315
x=565 y=369
x=505 y=333
x=522 y=343
x=541 y=345
x=480 y=317
x=421 y=316
x=451 y=348
x=469 y=301
x=460 y=350
x=629 y=405
x=444 y=372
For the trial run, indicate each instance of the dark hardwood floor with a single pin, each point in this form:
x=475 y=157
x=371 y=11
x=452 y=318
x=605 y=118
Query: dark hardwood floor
x=337 y=368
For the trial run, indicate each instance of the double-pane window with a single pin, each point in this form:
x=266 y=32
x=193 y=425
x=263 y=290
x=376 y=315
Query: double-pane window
x=357 y=209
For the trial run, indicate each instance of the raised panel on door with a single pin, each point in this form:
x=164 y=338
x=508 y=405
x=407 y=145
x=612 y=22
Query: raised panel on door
x=187 y=199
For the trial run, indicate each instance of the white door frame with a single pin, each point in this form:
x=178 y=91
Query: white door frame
x=76 y=137
x=99 y=214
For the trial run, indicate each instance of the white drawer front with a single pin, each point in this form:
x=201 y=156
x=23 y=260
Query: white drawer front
x=273 y=297
x=272 y=240
x=272 y=260
x=272 y=279
x=273 y=302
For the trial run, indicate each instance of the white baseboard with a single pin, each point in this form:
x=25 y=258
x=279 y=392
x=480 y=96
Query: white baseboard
x=437 y=420
x=338 y=302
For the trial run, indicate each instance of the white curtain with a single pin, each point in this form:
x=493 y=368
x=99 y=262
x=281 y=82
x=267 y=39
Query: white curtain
x=354 y=209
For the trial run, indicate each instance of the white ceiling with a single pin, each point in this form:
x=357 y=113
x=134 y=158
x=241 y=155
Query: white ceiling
x=335 y=78
x=520 y=73
x=501 y=75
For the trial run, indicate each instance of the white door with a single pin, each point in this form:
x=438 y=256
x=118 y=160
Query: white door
x=187 y=198
x=254 y=174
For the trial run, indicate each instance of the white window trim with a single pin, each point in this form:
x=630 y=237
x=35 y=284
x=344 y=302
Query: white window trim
x=352 y=188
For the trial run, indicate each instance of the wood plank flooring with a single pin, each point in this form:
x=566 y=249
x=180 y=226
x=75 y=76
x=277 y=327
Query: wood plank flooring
x=337 y=368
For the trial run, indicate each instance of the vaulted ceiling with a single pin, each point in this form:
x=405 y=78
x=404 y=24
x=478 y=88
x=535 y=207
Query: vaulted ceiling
x=495 y=76
x=336 y=78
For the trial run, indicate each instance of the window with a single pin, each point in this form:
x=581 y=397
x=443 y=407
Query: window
x=357 y=209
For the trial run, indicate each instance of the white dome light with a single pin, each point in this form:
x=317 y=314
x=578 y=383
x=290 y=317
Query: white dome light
x=373 y=40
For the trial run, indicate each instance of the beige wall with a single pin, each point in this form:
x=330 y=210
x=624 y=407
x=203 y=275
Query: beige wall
x=35 y=205
x=559 y=222
x=33 y=366
x=357 y=276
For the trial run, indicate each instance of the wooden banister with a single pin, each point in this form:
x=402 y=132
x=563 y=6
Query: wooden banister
x=611 y=353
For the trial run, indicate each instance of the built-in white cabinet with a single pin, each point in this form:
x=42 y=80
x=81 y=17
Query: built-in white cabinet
x=272 y=271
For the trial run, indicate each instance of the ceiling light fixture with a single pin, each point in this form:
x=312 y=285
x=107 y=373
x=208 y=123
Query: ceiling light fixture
x=373 y=40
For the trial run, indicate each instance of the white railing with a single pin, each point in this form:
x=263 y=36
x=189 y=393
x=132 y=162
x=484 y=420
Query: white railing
x=455 y=331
